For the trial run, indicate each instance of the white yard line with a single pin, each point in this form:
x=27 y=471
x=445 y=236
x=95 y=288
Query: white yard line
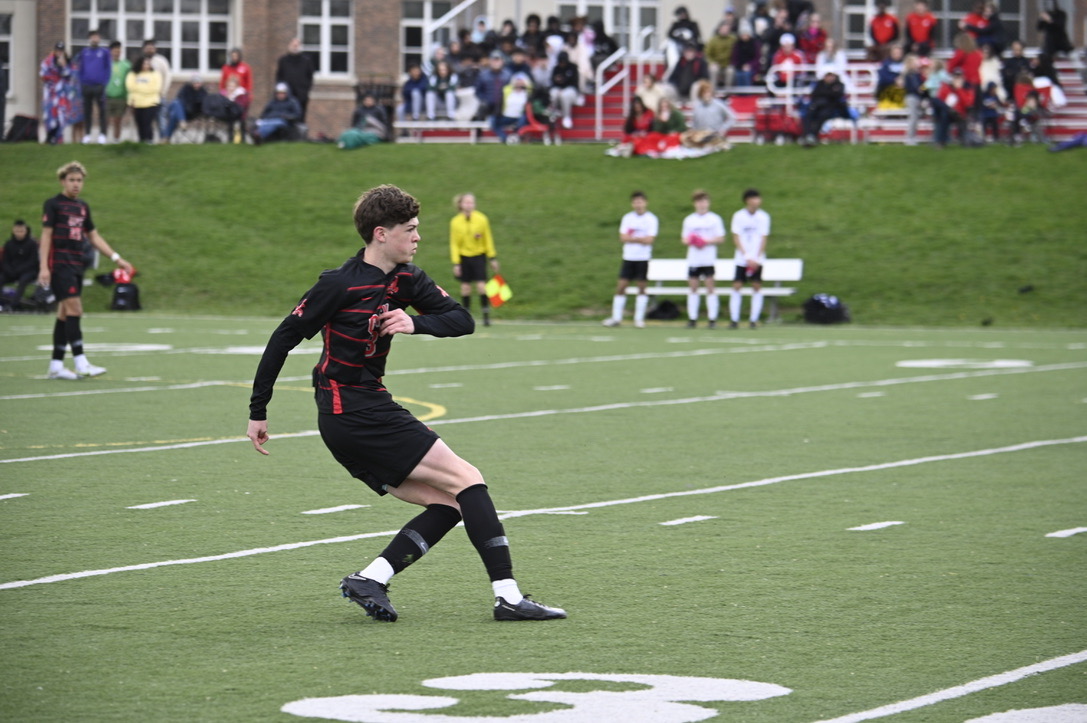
x=153 y=505
x=571 y=508
x=717 y=397
x=685 y=520
x=13 y=495
x=874 y=526
x=959 y=691
x=1067 y=533
x=330 y=510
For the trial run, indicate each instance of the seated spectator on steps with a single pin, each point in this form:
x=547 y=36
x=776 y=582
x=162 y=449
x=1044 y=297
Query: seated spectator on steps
x=812 y=39
x=951 y=107
x=690 y=68
x=1013 y=65
x=371 y=117
x=888 y=88
x=709 y=113
x=787 y=58
x=745 y=57
x=832 y=59
x=512 y=117
x=564 y=88
x=279 y=119
x=718 y=53
x=652 y=91
x=413 y=92
x=639 y=120
x=827 y=102
x=669 y=119
x=883 y=31
x=490 y=87
x=991 y=111
x=186 y=106
x=442 y=91
x=19 y=264
x=967 y=58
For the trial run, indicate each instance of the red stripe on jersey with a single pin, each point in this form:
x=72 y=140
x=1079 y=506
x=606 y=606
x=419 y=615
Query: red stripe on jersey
x=345 y=336
x=324 y=362
x=370 y=286
x=340 y=361
x=337 y=402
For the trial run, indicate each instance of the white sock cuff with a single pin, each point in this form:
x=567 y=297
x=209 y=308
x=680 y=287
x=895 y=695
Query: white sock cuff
x=379 y=571
x=507 y=590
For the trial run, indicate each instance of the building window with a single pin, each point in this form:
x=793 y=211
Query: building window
x=193 y=35
x=415 y=17
x=326 y=32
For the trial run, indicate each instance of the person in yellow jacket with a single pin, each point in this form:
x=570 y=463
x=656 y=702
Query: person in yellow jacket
x=144 y=88
x=471 y=245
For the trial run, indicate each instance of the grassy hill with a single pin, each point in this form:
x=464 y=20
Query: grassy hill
x=903 y=235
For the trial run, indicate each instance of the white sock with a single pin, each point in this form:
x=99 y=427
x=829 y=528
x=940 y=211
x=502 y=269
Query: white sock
x=692 y=305
x=379 y=571
x=80 y=361
x=55 y=365
x=713 y=306
x=641 y=301
x=756 y=305
x=618 y=303
x=507 y=590
x=734 y=305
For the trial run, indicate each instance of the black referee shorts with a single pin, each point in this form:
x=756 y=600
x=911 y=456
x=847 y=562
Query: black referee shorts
x=473 y=268
x=379 y=445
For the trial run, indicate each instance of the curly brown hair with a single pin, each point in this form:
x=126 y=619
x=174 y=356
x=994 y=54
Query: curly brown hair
x=384 y=206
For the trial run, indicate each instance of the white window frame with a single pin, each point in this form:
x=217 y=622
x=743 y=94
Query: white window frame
x=325 y=49
x=9 y=38
x=121 y=16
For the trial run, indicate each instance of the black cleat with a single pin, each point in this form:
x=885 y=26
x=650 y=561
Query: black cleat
x=526 y=610
x=371 y=595
x=691 y=323
x=754 y=325
x=733 y=325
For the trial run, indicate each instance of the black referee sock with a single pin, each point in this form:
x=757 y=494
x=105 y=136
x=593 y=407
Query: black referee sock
x=419 y=535
x=74 y=334
x=60 y=340
x=466 y=302
x=486 y=532
x=485 y=305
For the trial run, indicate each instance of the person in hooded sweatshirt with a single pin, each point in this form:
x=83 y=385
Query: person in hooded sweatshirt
x=240 y=69
x=19 y=265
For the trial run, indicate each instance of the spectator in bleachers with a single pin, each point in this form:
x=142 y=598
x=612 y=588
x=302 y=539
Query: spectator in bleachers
x=507 y=32
x=532 y=39
x=280 y=118
x=668 y=119
x=691 y=67
x=564 y=88
x=1042 y=67
x=653 y=91
x=771 y=37
x=746 y=57
x=827 y=102
x=887 y=78
x=93 y=65
x=580 y=55
x=991 y=71
x=787 y=58
x=681 y=33
x=710 y=114
x=553 y=30
x=1051 y=23
x=482 y=34
x=991 y=111
x=920 y=29
x=512 y=116
x=413 y=93
x=883 y=31
x=490 y=86
x=19 y=264
x=951 y=106
x=1014 y=64
x=760 y=19
x=728 y=17
x=832 y=59
x=719 y=54
x=798 y=10
x=974 y=21
x=992 y=33
x=144 y=86
x=296 y=69
x=639 y=120
x=467 y=71
x=913 y=86
x=236 y=67
x=185 y=106
x=541 y=71
x=60 y=106
x=441 y=92
x=936 y=76
x=116 y=93
x=603 y=44
x=967 y=58
x=1029 y=111
x=812 y=38
x=518 y=62
x=370 y=117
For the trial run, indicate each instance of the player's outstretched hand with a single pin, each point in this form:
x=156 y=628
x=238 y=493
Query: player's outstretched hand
x=396 y=321
x=258 y=433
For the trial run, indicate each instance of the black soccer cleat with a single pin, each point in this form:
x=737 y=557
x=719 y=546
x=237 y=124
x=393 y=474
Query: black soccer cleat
x=371 y=595
x=526 y=610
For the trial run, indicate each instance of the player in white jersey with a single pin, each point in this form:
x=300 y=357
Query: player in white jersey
x=702 y=232
x=637 y=231
x=750 y=231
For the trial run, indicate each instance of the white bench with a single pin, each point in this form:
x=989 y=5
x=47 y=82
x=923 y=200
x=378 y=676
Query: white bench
x=417 y=128
x=774 y=272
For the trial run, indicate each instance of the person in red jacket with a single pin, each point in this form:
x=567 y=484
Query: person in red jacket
x=812 y=39
x=883 y=31
x=975 y=21
x=920 y=29
x=966 y=57
x=240 y=69
x=952 y=106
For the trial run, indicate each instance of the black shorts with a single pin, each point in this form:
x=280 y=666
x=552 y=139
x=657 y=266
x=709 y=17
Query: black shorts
x=700 y=272
x=742 y=275
x=473 y=268
x=634 y=270
x=66 y=282
x=379 y=445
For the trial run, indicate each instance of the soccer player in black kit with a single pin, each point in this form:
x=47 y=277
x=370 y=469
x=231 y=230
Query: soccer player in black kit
x=66 y=223
x=358 y=308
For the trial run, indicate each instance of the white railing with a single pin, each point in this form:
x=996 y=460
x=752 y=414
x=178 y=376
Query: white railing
x=436 y=25
x=860 y=78
x=600 y=88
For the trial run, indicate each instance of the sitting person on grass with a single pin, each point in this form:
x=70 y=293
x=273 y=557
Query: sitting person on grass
x=19 y=264
x=279 y=119
x=710 y=115
x=186 y=106
x=827 y=102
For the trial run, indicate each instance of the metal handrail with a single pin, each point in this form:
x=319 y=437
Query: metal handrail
x=860 y=78
x=600 y=87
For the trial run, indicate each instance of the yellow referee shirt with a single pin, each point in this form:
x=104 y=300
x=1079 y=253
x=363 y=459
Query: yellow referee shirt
x=470 y=236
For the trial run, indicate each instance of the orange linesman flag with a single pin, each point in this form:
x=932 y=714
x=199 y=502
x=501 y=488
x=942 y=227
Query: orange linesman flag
x=498 y=291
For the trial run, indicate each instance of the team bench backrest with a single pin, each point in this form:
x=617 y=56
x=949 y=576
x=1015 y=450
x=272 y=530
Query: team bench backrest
x=772 y=271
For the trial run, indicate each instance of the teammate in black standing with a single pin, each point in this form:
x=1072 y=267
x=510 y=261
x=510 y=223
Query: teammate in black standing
x=66 y=223
x=358 y=308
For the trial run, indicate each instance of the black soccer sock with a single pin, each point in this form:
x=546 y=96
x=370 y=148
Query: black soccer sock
x=60 y=340
x=485 y=304
x=466 y=302
x=74 y=334
x=486 y=532
x=419 y=535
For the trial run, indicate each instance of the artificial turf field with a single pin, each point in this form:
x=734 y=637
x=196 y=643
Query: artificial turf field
x=689 y=496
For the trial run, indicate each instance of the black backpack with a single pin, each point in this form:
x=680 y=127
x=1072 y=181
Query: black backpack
x=23 y=128
x=825 y=309
x=126 y=297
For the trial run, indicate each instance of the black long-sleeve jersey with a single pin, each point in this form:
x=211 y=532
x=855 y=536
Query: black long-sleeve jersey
x=70 y=219
x=344 y=306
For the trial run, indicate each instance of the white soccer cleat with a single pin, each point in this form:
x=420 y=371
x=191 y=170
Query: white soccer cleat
x=610 y=321
x=90 y=370
x=639 y=324
x=62 y=373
